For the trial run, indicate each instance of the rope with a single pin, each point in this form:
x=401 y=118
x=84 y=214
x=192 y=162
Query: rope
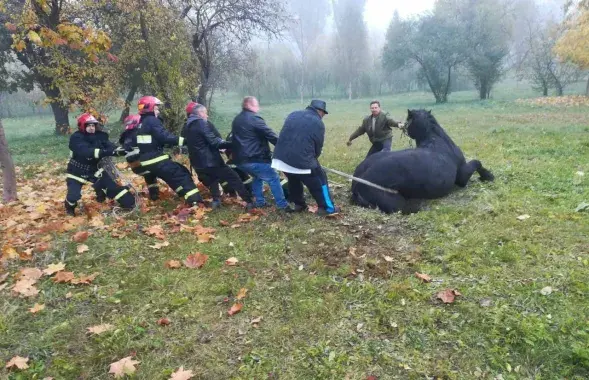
x=360 y=180
x=107 y=164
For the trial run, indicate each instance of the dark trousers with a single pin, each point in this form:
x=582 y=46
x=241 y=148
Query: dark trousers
x=380 y=146
x=317 y=184
x=174 y=175
x=211 y=177
x=105 y=185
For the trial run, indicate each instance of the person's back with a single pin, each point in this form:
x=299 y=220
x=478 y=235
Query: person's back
x=301 y=139
x=251 y=136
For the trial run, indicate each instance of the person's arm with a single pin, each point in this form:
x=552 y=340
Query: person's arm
x=162 y=136
x=391 y=123
x=211 y=137
x=265 y=131
x=80 y=147
x=357 y=133
x=319 y=139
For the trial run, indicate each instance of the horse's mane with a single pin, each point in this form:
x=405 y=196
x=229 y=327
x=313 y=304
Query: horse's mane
x=434 y=128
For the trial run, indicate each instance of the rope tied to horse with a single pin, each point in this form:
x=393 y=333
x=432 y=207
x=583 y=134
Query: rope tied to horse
x=360 y=180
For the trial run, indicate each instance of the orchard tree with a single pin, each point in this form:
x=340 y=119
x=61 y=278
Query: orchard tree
x=61 y=53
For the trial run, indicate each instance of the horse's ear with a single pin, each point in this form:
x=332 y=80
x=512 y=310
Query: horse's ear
x=409 y=113
x=430 y=112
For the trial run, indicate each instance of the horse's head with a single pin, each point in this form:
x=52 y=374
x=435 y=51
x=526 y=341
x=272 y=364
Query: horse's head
x=420 y=124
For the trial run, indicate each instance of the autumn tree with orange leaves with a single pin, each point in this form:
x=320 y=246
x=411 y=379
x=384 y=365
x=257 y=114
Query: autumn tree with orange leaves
x=65 y=55
x=573 y=46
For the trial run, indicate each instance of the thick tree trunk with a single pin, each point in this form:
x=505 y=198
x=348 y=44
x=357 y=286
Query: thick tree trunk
x=544 y=90
x=8 y=172
x=483 y=89
x=60 y=111
x=128 y=100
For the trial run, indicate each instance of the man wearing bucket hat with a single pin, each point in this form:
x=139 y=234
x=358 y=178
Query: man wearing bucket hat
x=296 y=154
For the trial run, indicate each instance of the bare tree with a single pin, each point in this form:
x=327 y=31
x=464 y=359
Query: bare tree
x=238 y=20
x=8 y=172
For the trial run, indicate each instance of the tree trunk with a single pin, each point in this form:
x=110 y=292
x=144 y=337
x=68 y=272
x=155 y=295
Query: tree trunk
x=544 y=90
x=8 y=172
x=559 y=89
x=587 y=88
x=128 y=100
x=350 y=90
x=60 y=110
x=483 y=90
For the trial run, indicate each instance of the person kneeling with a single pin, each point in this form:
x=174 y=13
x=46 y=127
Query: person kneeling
x=88 y=146
x=203 y=150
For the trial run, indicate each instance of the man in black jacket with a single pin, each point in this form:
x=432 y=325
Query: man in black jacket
x=151 y=139
x=251 y=152
x=296 y=154
x=203 y=142
x=88 y=146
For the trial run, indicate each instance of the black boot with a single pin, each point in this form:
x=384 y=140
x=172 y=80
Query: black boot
x=154 y=193
x=100 y=196
x=69 y=208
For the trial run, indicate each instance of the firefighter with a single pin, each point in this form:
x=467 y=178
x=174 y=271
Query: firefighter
x=150 y=158
x=88 y=146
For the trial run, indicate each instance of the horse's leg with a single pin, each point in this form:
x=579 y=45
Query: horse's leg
x=466 y=171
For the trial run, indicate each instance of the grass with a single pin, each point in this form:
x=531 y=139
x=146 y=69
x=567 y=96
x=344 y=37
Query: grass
x=327 y=314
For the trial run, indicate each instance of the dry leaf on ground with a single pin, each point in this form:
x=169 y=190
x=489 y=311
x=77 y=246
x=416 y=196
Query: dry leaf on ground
x=156 y=231
x=181 y=374
x=232 y=261
x=256 y=322
x=160 y=245
x=82 y=248
x=25 y=288
x=29 y=273
x=53 y=268
x=125 y=366
x=205 y=238
x=173 y=264
x=196 y=260
x=241 y=294
x=423 y=277
x=85 y=280
x=63 y=277
x=99 y=329
x=18 y=362
x=236 y=308
x=448 y=295
x=81 y=236
x=37 y=308
x=163 y=321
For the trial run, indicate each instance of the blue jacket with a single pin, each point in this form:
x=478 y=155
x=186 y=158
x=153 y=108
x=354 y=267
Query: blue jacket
x=301 y=139
x=152 y=137
x=203 y=142
x=250 y=139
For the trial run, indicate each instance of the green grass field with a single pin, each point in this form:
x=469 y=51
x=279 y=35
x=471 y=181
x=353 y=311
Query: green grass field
x=339 y=297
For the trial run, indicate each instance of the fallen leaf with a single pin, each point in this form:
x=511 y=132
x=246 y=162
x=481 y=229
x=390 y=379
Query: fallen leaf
x=236 y=308
x=37 y=308
x=156 y=231
x=205 y=238
x=256 y=321
x=224 y=223
x=232 y=261
x=196 y=260
x=241 y=294
x=68 y=295
x=125 y=366
x=27 y=255
x=546 y=291
x=181 y=374
x=173 y=264
x=388 y=259
x=9 y=253
x=523 y=217
x=486 y=302
x=371 y=377
x=582 y=207
x=313 y=209
x=423 y=277
x=352 y=251
x=54 y=268
x=63 y=277
x=203 y=230
x=85 y=280
x=4 y=276
x=236 y=225
x=18 y=362
x=80 y=236
x=99 y=329
x=25 y=288
x=41 y=247
x=83 y=248
x=160 y=245
x=448 y=295
x=163 y=321
x=30 y=273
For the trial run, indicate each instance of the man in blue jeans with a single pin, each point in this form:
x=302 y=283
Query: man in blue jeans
x=251 y=152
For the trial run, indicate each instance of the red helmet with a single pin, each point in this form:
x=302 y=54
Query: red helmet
x=147 y=104
x=85 y=119
x=190 y=107
x=131 y=122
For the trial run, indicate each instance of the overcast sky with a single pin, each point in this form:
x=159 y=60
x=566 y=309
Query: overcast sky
x=378 y=13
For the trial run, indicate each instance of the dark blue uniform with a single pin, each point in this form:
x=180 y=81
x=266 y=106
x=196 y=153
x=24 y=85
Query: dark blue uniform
x=86 y=151
x=152 y=163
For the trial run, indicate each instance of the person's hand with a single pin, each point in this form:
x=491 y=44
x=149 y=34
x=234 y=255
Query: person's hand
x=349 y=143
x=400 y=125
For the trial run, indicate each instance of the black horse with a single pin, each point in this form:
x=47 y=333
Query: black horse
x=429 y=171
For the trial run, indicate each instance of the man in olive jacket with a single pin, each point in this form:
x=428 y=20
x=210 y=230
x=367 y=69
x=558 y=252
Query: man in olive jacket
x=378 y=127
